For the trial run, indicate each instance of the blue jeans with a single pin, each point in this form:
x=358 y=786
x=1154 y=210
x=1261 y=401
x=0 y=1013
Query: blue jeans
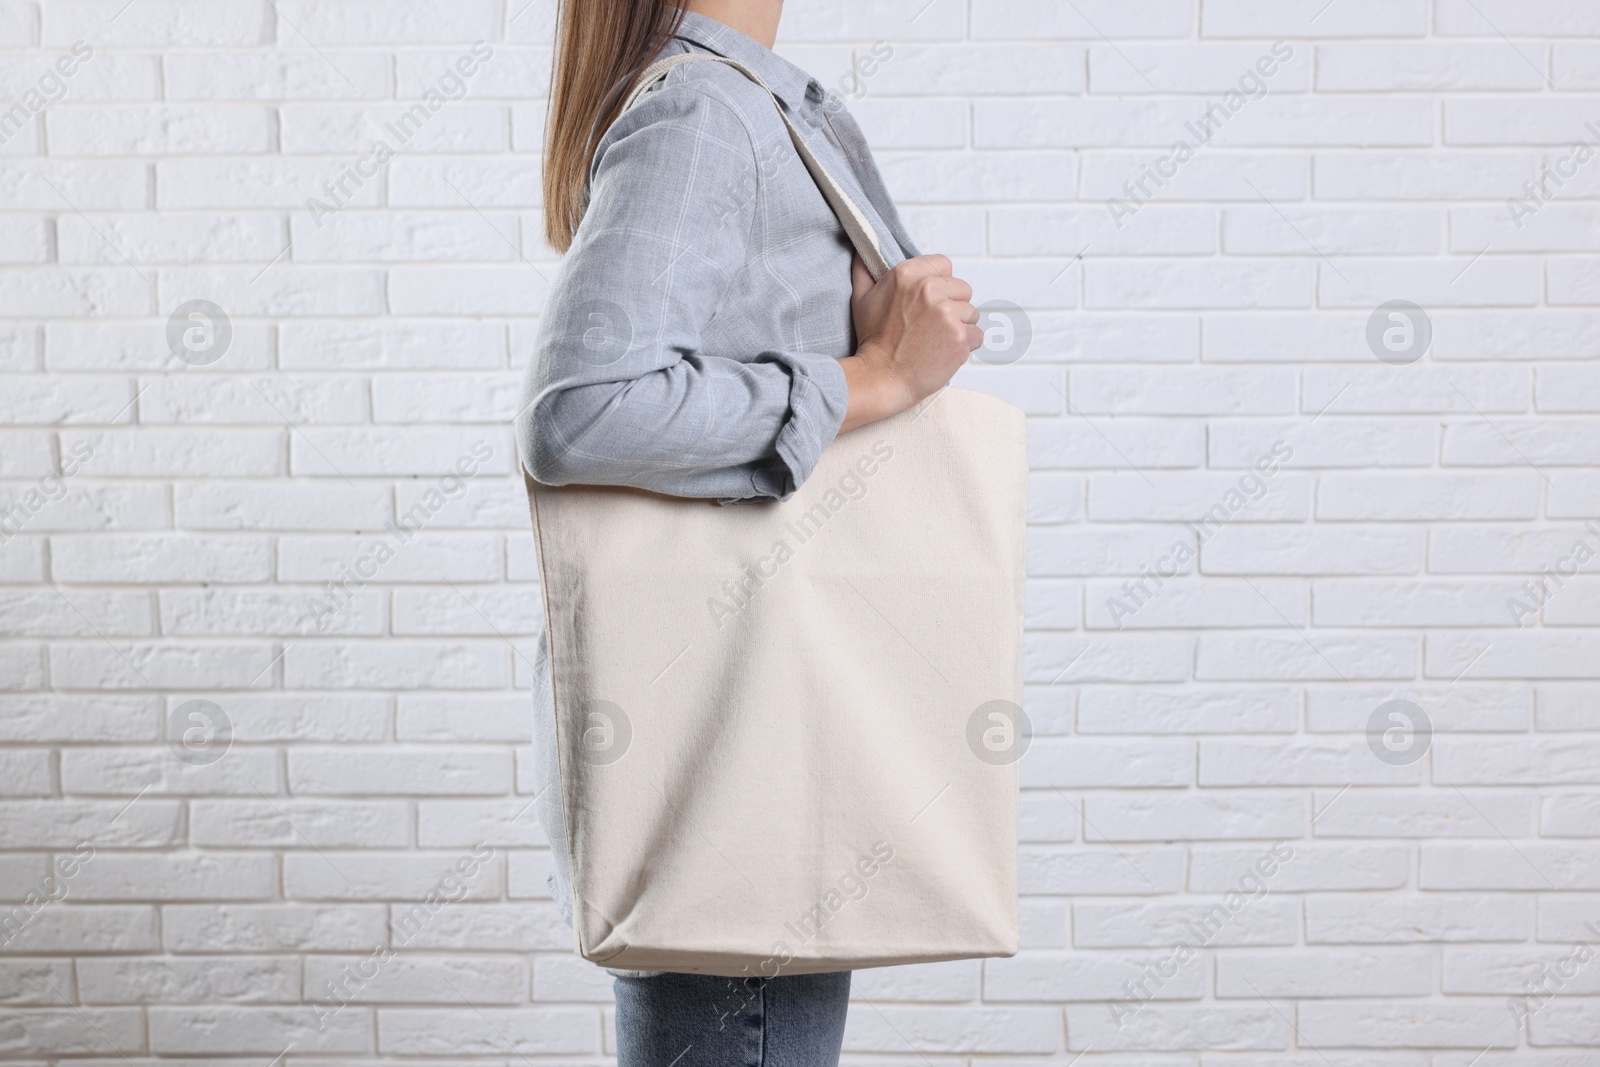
x=699 y=1020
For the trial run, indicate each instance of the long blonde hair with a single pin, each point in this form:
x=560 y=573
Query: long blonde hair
x=602 y=46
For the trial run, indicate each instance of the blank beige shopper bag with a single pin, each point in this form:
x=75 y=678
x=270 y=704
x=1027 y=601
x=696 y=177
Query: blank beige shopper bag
x=788 y=732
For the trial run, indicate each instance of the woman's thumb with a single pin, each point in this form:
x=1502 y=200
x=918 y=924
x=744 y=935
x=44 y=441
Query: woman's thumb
x=860 y=278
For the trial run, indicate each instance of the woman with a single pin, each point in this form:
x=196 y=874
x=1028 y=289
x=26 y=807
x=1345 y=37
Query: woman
x=709 y=335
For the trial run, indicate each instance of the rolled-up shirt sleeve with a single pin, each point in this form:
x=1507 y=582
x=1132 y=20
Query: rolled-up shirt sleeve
x=621 y=389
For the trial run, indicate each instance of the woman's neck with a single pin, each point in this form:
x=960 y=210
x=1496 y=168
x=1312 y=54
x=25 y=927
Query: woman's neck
x=756 y=19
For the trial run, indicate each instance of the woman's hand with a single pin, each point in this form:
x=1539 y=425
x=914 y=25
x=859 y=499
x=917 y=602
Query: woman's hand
x=915 y=327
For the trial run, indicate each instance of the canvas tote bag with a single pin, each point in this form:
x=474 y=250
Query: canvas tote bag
x=788 y=732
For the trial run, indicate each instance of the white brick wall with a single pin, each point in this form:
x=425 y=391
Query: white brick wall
x=367 y=830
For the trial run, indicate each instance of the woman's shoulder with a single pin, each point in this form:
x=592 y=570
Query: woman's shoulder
x=711 y=94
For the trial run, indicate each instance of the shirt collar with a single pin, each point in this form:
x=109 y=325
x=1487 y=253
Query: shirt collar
x=791 y=84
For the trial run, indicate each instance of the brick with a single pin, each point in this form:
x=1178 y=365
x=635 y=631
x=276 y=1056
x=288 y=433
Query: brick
x=1427 y=175
x=434 y=879
x=48 y=717
x=1499 y=17
x=463 y=717
x=1213 y=175
x=1344 y=442
x=1553 y=228
x=19 y=24
x=45 y=292
x=69 y=823
x=1100 y=764
x=384 y=345
x=401 y=979
x=1241 y=920
x=1396 y=920
x=275 y=611
x=28 y=982
x=485 y=927
x=25 y=773
x=179 y=453
x=1191 y=68
x=1572 y=66
x=386 y=451
x=1433 y=497
x=1001 y=19
x=434 y=770
x=1508 y=442
x=276 y=399
x=1416 y=389
x=128 y=980
x=1196 y=603
x=177 y=876
x=211 y=928
x=1387 y=1025
x=489 y=1031
x=396 y=665
x=1172 y=1027
x=88 y=928
x=1524 y=654
x=293 y=717
x=22 y=666
x=1533 y=760
x=1457 y=707
x=1207 y=710
x=284 y=75
x=1412 y=67
x=1172 y=284
x=1396 y=813
x=339 y=129
x=286 y=822
x=1325 y=231
x=1077 y=975
x=160 y=558
x=1309 y=975
x=568 y=977
x=47 y=614
x=507 y=72
x=1533 y=865
x=1144 y=657
x=527 y=875
x=1566 y=706
x=278 y=290
x=392 y=236
x=142 y=346
x=1208 y=816
x=1308 y=18
x=71 y=1031
x=1313 y=762
x=1288 y=120
x=1272 y=656
x=1088 y=870
x=237 y=1029
x=267 y=506
x=160 y=130
x=989 y=176
x=1504 y=550
x=953 y=1030
x=1491 y=281
x=420 y=557
x=1207 y=391
x=265 y=182
x=163 y=24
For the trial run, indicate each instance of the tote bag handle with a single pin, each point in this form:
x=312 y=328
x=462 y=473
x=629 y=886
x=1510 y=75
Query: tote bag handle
x=850 y=215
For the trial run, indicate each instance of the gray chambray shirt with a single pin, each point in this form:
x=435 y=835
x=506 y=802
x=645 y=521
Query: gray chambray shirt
x=690 y=345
